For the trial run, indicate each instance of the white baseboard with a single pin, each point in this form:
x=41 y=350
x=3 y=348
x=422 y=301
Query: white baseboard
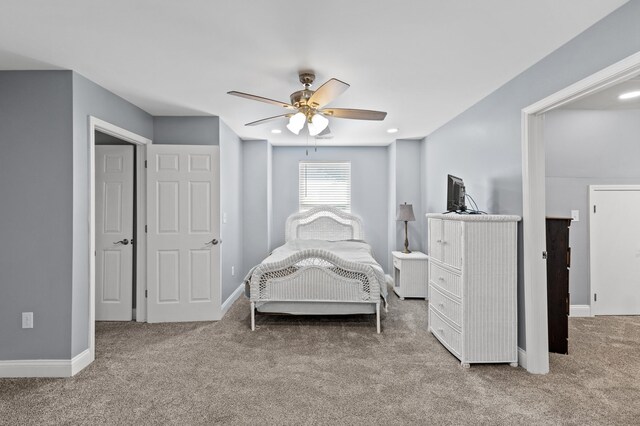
x=80 y=361
x=234 y=296
x=45 y=367
x=580 y=311
x=522 y=358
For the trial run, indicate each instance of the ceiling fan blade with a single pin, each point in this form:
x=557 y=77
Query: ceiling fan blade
x=266 y=120
x=356 y=114
x=327 y=92
x=261 y=99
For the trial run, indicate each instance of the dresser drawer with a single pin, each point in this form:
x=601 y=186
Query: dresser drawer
x=448 y=335
x=447 y=306
x=445 y=279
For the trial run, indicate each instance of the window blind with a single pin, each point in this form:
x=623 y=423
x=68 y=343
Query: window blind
x=323 y=183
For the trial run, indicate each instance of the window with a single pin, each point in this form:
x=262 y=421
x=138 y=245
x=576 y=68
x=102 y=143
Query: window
x=323 y=183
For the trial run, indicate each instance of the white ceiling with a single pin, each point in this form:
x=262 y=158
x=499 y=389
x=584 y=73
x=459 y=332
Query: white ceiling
x=607 y=99
x=422 y=61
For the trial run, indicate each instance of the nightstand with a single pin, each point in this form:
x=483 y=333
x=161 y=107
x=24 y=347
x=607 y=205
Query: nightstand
x=410 y=274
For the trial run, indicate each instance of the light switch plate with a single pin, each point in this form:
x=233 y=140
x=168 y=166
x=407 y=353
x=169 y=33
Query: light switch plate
x=224 y=218
x=575 y=215
x=27 y=320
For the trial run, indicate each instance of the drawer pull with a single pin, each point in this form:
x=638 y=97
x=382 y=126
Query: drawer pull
x=440 y=278
x=441 y=330
x=438 y=241
x=441 y=305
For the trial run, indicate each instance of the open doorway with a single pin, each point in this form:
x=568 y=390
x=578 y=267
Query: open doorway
x=591 y=151
x=101 y=135
x=534 y=210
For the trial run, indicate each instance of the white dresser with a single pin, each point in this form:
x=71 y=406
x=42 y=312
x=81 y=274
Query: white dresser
x=473 y=286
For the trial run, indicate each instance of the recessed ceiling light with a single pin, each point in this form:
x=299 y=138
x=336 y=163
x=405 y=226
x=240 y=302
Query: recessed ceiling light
x=276 y=131
x=392 y=130
x=630 y=95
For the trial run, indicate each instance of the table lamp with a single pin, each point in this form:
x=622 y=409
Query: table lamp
x=405 y=213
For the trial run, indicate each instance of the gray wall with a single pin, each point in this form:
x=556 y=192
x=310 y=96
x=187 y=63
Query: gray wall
x=186 y=130
x=409 y=189
x=392 y=226
x=36 y=148
x=585 y=148
x=369 y=190
x=256 y=205
x=91 y=99
x=483 y=146
x=44 y=170
x=405 y=184
x=231 y=206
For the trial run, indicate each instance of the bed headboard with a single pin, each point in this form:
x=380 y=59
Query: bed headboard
x=324 y=223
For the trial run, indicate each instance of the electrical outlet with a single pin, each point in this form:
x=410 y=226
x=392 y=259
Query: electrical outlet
x=233 y=270
x=575 y=215
x=27 y=320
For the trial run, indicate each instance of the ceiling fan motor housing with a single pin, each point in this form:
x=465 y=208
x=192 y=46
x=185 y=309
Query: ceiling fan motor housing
x=307 y=78
x=299 y=99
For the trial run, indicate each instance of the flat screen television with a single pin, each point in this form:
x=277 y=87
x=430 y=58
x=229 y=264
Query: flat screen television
x=455 y=194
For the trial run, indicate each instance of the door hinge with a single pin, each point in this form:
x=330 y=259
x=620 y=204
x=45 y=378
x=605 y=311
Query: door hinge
x=595 y=297
x=145 y=229
x=145 y=164
x=544 y=254
x=594 y=208
x=146 y=294
x=95 y=253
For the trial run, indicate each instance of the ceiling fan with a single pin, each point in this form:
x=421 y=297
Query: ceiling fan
x=308 y=106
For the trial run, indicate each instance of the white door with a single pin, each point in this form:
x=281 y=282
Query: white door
x=615 y=250
x=183 y=251
x=114 y=233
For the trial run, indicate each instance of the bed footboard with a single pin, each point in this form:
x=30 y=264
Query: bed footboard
x=315 y=276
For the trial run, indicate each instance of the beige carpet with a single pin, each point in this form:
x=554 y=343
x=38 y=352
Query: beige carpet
x=306 y=370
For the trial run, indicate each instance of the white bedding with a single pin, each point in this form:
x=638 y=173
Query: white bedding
x=351 y=250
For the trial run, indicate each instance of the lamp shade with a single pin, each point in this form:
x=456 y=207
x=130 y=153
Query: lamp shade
x=296 y=123
x=318 y=124
x=405 y=213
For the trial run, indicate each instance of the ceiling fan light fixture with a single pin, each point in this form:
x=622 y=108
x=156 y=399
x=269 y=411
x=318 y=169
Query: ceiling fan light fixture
x=313 y=130
x=296 y=123
x=317 y=124
x=294 y=129
x=320 y=121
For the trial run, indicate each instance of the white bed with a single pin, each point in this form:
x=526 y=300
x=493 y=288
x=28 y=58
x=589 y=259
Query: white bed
x=324 y=268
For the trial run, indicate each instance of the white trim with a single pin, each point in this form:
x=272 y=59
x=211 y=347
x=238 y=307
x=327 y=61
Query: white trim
x=576 y=311
x=614 y=188
x=141 y=277
x=593 y=285
x=231 y=299
x=522 y=358
x=80 y=361
x=45 y=367
x=533 y=193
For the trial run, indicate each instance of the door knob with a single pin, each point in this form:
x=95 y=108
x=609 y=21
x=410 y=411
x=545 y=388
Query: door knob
x=214 y=242
x=123 y=242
